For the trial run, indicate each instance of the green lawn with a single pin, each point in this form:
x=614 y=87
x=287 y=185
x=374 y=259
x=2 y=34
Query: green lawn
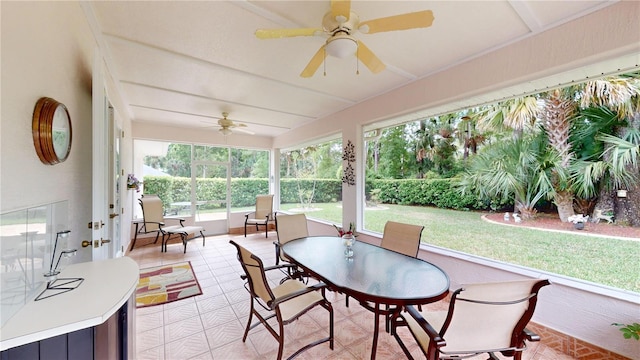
x=605 y=261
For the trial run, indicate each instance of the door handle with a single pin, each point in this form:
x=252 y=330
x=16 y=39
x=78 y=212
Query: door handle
x=86 y=243
x=112 y=215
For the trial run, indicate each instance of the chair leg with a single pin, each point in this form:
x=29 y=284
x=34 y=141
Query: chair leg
x=399 y=340
x=246 y=330
x=203 y=238
x=184 y=241
x=330 y=323
x=245 y=229
x=135 y=237
x=280 y=341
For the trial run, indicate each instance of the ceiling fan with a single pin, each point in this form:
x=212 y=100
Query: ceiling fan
x=227 y=127
x=339 y=24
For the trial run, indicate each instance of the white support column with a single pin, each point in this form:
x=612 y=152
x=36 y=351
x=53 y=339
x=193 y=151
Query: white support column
x=352 y=194
x=274 y=177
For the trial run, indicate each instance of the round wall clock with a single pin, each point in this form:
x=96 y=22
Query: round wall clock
x=51 y=129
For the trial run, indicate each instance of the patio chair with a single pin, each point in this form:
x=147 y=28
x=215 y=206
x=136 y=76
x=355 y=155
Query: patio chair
x=153 y=220
x=262 y=215
x=482 y=318
x=290 y=227
x=401 y=238
x=286 y=302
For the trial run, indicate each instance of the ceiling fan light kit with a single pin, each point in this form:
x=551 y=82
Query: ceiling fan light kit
x=225 y=131
x=341 y=46
x=339 y=24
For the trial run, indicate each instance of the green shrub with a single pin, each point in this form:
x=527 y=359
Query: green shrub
x=442 y=193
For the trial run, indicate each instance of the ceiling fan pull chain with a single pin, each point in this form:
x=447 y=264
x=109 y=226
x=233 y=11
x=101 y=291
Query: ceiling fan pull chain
x=357 y=62
x=324 y=61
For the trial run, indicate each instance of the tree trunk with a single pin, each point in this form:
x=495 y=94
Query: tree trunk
x=627 y=209
x=564 y=203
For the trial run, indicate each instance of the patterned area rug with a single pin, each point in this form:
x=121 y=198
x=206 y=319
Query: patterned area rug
x=166 y=283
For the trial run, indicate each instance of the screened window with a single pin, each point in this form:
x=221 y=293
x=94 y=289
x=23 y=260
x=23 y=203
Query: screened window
x=311 y=181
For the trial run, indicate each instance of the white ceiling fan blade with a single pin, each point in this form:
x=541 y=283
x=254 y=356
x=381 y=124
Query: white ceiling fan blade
x=340 y=10
x=282 y=33
x=369 y=59
x=209 y=124
x=420 y=19
x=313 y=64
x=240 y=129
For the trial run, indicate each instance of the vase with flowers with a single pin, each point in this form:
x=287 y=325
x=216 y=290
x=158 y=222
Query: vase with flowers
x=133 y=182
x=348 y=238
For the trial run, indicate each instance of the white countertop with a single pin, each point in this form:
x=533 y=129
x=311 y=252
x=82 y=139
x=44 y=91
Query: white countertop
x=107 y=285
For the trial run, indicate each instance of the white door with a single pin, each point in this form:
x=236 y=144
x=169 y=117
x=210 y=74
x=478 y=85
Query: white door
x=211 y=210
x=100 y=170
x=116 y=174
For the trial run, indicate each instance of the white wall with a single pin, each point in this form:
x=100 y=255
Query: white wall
x=47 y=50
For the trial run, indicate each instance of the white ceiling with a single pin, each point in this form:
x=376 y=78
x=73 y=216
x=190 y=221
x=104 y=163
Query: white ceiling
x=182 y=63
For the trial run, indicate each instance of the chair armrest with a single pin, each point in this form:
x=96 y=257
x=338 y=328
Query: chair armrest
x=281 y=266
x=274 y=267
x=431 y=332
x=295 y=294
x=174 y=218
x=154 y=222
x=246 y=215
x=530 y=335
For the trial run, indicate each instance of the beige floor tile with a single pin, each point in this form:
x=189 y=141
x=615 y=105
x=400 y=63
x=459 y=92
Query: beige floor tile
x=224 y=334
x=187 y=347
x=183 y=328
x=156 y=353
x=236 y=350
x=145 y=322
x=182 y=312
x=218 y=317
x=149 y=339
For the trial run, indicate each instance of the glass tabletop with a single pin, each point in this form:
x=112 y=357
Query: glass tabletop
x=372 y=274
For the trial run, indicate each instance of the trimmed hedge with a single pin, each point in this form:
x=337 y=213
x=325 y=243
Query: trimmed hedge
x=442 y=193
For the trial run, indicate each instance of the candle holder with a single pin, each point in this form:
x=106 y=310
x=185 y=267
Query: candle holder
x=56 y=286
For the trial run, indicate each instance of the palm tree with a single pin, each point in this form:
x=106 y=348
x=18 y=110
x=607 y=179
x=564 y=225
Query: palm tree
x=557 y=113
x=605 y=162
x=607 y=143
x=555 y=110
x=517 y=168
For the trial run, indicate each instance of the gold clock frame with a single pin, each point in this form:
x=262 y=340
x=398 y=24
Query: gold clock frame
x=51 y=129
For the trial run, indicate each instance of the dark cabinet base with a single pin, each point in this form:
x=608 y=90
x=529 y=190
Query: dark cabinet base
x=109 y=340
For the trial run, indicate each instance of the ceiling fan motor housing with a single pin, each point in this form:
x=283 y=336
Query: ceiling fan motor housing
x=332 y=25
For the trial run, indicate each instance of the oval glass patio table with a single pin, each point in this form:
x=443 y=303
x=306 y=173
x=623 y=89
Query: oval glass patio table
x=374 y=276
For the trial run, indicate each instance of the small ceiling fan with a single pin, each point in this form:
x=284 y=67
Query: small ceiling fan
x=227 y=127
x=339 y=24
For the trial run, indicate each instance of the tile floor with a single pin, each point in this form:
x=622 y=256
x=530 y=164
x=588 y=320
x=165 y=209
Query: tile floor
x=210 y=326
